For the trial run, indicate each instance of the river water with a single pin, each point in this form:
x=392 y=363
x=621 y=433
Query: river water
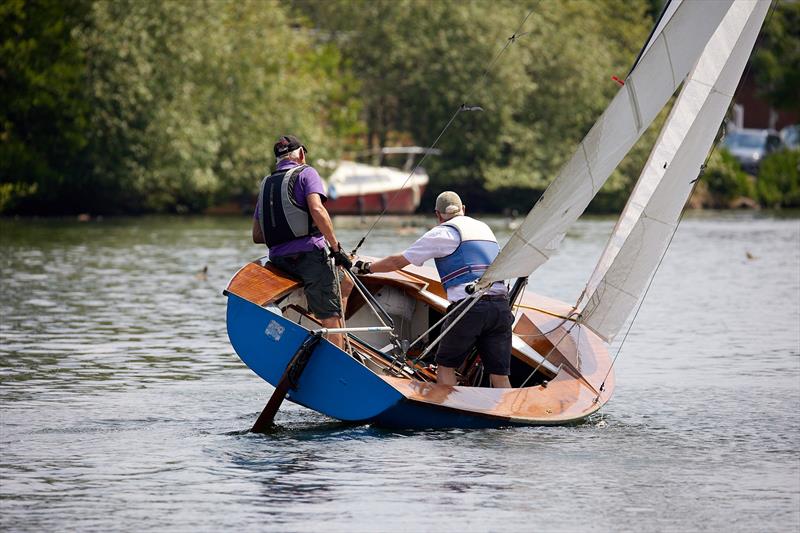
x=123 y=407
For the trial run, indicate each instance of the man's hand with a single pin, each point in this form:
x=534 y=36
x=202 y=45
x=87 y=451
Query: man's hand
x=361 y=267
x=340 y=258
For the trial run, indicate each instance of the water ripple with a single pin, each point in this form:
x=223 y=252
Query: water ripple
x=123 y=407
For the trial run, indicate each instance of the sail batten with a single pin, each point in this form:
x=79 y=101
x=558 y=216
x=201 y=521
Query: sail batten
x=651 y=216
x=684 y=31
x=637 y=113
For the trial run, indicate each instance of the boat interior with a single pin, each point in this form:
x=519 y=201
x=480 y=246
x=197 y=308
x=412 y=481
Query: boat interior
x=415 y=303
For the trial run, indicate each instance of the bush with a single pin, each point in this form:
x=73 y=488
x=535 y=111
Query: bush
x=779 y=179
x=726 y=180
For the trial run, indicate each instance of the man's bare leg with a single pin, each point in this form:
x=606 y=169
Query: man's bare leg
x=446 y=375
x=499 y=382
x=334 y=322
x=346 y=288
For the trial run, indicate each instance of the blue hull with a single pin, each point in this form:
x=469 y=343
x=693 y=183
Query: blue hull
x=333 y=383
x=409 y=414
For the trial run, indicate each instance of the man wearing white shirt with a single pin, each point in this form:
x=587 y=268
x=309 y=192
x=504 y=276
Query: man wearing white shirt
x=463 y=248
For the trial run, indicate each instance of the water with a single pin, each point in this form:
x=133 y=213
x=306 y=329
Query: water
x=123 y=406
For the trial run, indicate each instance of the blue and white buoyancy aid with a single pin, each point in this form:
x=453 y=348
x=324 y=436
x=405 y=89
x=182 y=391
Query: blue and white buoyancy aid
x=475 y=252
x=282 y=218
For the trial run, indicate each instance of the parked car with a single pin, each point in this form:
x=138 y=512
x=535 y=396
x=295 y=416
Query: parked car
x=751 y=146
x=790 y=135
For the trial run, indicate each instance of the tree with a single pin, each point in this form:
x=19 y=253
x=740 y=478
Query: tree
x=190 y=97
x=777 y=59
x=144 y=105
x=44 y=112
x=419 y=61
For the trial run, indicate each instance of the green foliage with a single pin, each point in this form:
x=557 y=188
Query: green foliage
x=777 y=58
x=144 y=105
x=44 y=115
x=151 y=105
x=779 y=179
x=418 y=62
x=725 y=179
x=190 y=97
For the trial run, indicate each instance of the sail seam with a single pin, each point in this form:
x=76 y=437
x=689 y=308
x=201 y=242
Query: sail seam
x=588 y=166
x=648 y=217
x=530 y=244
x=619 y=290
x=669 y=58
x=714 y=89
x=710 y=86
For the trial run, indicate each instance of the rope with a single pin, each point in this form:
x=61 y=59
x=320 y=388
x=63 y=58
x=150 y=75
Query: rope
x=543 y=311
x=683 y=212
x=346 y=344
x=463 y=107
x=446 y=314
x=549 y=353
x=368 y=302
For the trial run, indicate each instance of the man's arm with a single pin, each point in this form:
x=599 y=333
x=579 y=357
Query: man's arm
x=258 y=235
x=437 y=242
x=321 y=218
x=390 y=263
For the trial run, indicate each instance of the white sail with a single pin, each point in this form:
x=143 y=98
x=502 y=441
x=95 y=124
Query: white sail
x=649 y=219
x=658 y=72
x=672 y=134
x=666 y=15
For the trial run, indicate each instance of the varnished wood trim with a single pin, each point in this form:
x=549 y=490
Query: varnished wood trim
x=261 y=284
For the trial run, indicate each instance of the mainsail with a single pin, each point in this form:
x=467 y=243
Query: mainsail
x=663 y=65
x=666 y=15
x=650 y=217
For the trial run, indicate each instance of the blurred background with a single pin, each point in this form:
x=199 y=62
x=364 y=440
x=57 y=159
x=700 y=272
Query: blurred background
x=151 y=106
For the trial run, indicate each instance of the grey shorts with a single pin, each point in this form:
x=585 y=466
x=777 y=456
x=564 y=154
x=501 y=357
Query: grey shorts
x=319 y=281
x=488 y=327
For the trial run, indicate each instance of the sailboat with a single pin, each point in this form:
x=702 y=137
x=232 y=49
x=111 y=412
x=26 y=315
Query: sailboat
x=561 y=369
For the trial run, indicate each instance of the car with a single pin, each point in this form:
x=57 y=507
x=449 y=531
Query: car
x=790 y=135
x=751 y=146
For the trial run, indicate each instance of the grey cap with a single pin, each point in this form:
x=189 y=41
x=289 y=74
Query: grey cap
x=448 y=203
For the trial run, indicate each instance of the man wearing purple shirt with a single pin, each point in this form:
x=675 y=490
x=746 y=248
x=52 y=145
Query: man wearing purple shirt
x=292 y=221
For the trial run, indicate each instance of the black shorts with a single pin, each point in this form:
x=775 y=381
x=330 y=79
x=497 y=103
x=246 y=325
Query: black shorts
x=488 y=326
x=319 y=281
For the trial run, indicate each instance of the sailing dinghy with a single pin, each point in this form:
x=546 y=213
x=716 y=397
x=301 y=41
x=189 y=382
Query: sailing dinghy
x=561 y=370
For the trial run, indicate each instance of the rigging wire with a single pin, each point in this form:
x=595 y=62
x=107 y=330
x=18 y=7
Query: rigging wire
x=461 y=108
x=683 y=211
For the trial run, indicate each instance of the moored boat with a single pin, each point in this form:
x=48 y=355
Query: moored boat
x=362 y=189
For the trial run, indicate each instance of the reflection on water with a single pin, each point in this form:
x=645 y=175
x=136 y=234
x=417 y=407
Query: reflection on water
x=124 y=407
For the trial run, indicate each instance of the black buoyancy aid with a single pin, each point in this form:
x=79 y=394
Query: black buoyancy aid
x=283 y=219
